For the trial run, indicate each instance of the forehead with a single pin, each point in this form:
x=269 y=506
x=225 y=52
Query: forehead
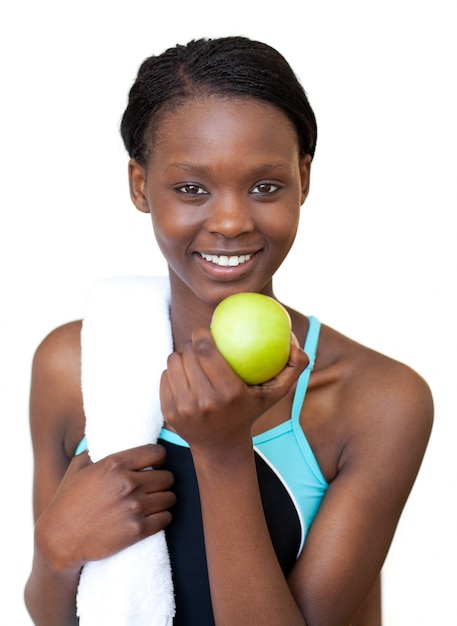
x=236 y=124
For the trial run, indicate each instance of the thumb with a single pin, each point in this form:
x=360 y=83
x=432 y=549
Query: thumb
x=282 y=382
x=298 y=359
x=79 y=461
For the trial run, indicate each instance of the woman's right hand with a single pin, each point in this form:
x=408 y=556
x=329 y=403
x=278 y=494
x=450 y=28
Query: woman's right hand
x=100 y=508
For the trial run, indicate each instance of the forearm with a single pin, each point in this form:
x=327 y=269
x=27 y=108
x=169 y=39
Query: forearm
x=246 y=580
x=50 y=594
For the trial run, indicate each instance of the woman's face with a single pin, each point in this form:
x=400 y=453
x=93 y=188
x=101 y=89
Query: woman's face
x=224 y=185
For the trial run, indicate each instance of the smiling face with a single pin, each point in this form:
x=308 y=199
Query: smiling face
x=224 y=186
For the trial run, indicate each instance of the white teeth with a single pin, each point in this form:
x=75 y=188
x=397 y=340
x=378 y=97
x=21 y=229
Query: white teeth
x=226 y=261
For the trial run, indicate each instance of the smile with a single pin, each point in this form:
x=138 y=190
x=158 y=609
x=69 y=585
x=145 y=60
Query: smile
x=226 y=261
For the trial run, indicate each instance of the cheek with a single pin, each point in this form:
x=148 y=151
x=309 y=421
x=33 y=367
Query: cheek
x=283 y=241
x=173 y=230
x=279 y=235
x=282 y=226
x=165 y=233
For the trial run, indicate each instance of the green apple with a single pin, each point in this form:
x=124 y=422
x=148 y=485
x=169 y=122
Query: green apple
x=252 y=332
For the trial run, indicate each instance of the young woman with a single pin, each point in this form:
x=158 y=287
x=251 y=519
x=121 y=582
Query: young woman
x=296 y=485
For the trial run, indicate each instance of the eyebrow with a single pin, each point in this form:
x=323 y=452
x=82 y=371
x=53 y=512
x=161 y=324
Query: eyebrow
x=191 y=166
x=187 y=165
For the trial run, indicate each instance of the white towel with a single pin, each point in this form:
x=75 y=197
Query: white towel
x=125 y=341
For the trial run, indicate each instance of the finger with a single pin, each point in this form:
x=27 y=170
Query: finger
x=80 y=460
x=158 y=502
x=198 y=372
x=177 y=397
x=297 y=358
x=177 y=381
x=166 y=397
x=204 y=365
x=149 y=524
x=212 y=363
x=156 y=522
x=156 y=480
x=140 y=457
x=298 y=361
x=274 y=389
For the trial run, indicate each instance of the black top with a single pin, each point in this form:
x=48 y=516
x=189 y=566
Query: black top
x=185 y=534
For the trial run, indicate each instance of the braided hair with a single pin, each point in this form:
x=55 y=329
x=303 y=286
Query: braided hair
x=226 y=66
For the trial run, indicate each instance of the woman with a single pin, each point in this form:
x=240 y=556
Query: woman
x=221 y=139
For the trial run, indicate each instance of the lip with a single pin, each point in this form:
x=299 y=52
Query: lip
x=226 y=272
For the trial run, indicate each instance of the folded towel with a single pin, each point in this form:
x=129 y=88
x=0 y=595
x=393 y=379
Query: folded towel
x=125 y=341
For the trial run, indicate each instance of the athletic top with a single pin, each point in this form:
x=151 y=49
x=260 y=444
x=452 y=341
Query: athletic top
x=291 y=485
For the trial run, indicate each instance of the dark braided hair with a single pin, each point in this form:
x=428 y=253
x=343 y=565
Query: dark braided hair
x=227 y=66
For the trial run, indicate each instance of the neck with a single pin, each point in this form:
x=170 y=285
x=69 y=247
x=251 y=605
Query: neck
x=189 y=310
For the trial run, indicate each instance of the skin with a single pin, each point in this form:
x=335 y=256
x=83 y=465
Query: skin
x=226 y=177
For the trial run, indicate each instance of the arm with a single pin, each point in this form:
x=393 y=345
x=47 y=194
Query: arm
x=50 y=590
x=387 y=429
x=350 y=537
x=83 y=511
x=214 y=411
x=370 y=614
x=247 y=583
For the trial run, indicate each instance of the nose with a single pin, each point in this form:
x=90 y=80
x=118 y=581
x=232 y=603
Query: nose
x=229 y=216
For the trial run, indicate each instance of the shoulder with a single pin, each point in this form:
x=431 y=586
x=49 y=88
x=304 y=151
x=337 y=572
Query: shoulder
x=55 y=398
x=56 y=364
x=60 y=345
x=386 y=407
x=388 y=386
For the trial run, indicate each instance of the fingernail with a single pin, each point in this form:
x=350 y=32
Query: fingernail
x=295 y=341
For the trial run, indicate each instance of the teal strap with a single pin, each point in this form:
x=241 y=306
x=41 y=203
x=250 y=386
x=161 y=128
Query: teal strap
x=82 y=446
x=310 y=347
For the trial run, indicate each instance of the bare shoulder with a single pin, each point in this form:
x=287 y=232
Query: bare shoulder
x=56 y=414
x=385 y=404
x=61 y=343
x=56 y=365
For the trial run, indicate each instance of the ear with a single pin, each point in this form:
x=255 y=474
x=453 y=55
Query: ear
x=137 y=184
x=305 y=172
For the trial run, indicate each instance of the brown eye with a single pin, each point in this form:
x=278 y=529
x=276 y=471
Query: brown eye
x=191 y=189
x=265 y=188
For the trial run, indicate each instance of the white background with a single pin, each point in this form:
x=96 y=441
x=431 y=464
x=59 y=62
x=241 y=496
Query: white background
x=376 y=253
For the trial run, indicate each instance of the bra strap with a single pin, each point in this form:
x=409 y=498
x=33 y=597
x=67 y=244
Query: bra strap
x=310 y=347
